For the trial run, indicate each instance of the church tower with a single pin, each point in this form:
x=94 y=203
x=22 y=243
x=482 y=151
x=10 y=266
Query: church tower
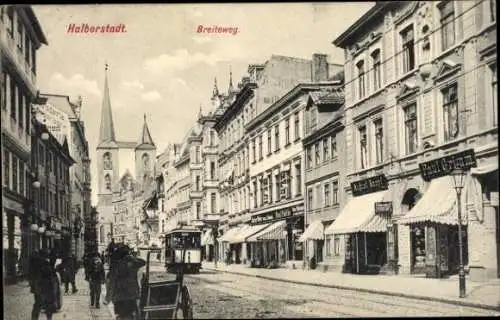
x=145 y=158
x=107 y=151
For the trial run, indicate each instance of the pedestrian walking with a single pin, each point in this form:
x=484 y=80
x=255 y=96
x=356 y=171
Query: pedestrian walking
x=68 y=271
x=44 y=284
x=124 y=283
x=112 y=258
x=96 y=279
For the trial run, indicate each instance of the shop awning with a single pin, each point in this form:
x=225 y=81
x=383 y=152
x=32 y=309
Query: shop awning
x=357 y=213
x=484 y=169
x=438 y=204
x=273 y=232
x=207 y=238
x=314 y=231
x=247 y=231
x=229 y=234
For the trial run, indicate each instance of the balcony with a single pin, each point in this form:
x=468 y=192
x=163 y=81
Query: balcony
x=17 y=59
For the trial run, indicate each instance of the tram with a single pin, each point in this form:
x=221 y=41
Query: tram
x=178 y=240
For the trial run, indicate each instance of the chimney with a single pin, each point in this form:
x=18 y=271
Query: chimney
x=319 y=67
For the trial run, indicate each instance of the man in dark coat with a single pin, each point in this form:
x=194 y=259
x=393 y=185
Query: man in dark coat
x=43 y=284
x=124 y=282
x=96 y=277
x=68 y=271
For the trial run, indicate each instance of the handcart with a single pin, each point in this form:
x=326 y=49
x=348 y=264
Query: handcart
x=165 y=299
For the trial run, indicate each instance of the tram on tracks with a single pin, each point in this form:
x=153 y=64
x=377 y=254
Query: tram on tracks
x=181 y=240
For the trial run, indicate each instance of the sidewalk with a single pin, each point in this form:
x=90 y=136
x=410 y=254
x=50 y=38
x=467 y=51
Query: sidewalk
x=18 y=302
x=479 y=294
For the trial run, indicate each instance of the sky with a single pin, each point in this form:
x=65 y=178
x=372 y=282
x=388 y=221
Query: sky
x=162 y=67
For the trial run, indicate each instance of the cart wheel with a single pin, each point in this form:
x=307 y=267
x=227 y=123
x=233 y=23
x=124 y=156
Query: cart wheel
x=186 y=304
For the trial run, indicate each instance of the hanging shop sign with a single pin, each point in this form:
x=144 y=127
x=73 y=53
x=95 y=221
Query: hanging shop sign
x=383 y=208
x=370 y=185
x=443 y=166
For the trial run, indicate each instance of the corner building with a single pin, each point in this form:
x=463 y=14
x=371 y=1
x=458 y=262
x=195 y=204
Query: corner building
x=421 y=100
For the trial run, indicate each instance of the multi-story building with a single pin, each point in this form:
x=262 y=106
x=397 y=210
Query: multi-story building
x=115 y=161
x=52 y=161
x=324 y=175
x=20 y=37
x=421 y=103
x=261 y=116
x=62 y=118
x=171 y=189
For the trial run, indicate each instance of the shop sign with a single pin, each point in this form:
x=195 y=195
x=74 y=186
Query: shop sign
x=370 y=185
x=275 y=215
x=383 y=208
x=443 y=166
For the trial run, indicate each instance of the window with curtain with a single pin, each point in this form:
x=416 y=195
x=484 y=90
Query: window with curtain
x=15 y=168
x=377 y=70
x=333 y=141
x=310 y=199
x=6 y=168
x=363 y=146
x=361 y=79
x=260 y=147
x=450 y=112
x=447 y=12
x=276 y=137
x=296 y=125
x=328 y=199
x=285 y=185
x=335 y=192
x=411 y=134
x=309 y=157
x=326 y=149
x=336 y=245
x=379 y=140
x=269 y=144
x=408 y=49
x=298 y=180
x=317 y=153
x=287 y=131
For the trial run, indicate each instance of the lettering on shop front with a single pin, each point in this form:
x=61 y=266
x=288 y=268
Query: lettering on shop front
x=370 y=185
x=277 y=215
x=443 y=166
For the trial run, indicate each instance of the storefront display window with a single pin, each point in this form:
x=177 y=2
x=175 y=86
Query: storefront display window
x=418 y=248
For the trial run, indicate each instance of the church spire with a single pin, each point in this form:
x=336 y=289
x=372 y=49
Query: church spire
x=215 y=92
x=230 y=89
x=145 y=139
x=107 y=129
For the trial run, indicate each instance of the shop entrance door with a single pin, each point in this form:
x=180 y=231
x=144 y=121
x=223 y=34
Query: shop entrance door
x=319 y=250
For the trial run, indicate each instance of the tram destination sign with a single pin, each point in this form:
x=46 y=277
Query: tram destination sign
x=443 y=166
x=370 y=185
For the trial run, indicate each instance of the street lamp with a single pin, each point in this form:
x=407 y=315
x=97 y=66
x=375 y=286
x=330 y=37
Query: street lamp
x=458 y=176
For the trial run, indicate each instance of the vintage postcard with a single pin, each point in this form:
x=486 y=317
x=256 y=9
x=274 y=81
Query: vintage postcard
x=250 y=160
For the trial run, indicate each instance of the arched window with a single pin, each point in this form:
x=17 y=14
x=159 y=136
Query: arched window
x=145 y=161
x=108 y=165
x=107 y=181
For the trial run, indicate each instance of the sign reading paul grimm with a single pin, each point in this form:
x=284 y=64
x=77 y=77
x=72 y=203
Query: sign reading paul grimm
x=373 y=184
x=443 y=166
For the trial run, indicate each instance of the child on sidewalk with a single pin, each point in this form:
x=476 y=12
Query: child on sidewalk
x=96 y=280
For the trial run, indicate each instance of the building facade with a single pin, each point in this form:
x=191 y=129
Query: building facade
x=324 y=157
x=257 y=121
x=421 y=100
x=62 y=118
x=117 y=160
x=21 y=36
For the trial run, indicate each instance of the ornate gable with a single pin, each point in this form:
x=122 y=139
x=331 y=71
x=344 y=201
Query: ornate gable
x=407 y=89
x=446 y=69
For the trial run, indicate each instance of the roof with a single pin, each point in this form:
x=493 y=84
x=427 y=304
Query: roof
x=107 y=129
x=61 y=102
x=326 y=97
x=126 y=144
x=35 y=24
x=342 y=40
x=145 y=140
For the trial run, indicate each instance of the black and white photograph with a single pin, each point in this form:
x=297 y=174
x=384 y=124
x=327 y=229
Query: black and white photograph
x=250 y=160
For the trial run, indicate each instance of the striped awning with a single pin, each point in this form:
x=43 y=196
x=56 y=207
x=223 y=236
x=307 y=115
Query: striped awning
x=229 y=234
x=276 y=231
x=207 y=238
x=248 y=231
x=357 y=213
x=314 y=231
x=377 y=223
x=438 y=204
